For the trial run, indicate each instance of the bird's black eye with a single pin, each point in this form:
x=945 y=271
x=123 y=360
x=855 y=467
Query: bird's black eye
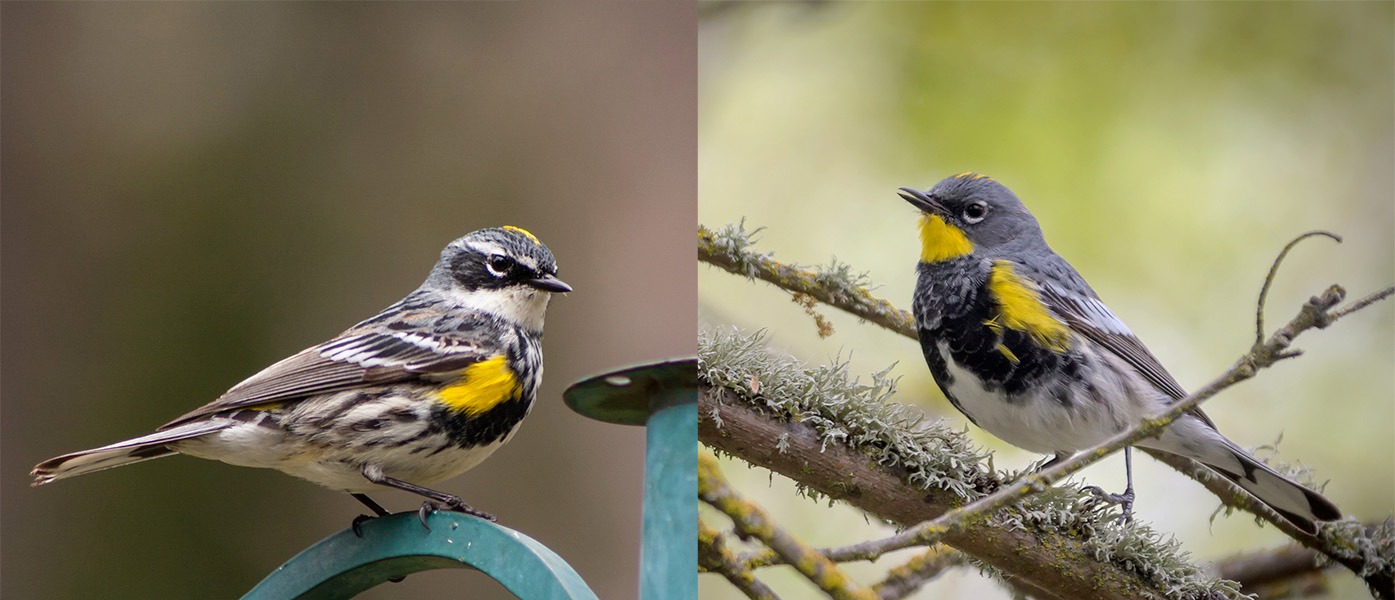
x=975 y=212
x=500 y=265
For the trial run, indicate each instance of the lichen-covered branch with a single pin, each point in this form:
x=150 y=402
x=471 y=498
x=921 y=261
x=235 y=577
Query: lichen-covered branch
x=816 y=426
x=908 y=577
x=751 y=520
x=1283 y=568
x=715 y=557
x=835 y=285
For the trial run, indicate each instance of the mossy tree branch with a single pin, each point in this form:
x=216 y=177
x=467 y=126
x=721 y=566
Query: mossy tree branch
x=1049 y=564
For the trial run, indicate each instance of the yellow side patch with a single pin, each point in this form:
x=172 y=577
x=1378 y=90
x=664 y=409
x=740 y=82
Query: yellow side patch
x=481 y=387
x=522 y=231
x=940 y=241
x=997 y=329
x=1021 y=308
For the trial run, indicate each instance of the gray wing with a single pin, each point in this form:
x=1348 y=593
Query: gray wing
x=349 y=361
x=1088 y=316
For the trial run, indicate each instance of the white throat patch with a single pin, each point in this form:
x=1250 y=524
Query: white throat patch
x=520 y=304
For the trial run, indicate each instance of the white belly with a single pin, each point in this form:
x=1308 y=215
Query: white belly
x=1039 y=422
x=337 y=468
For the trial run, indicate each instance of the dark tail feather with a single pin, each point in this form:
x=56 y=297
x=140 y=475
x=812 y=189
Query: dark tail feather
x=1294 y=502
x=121 y=453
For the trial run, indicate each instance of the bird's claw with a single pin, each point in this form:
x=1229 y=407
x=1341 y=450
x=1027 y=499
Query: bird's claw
x=453 y=505
x=1124 y=500
x=359 y=520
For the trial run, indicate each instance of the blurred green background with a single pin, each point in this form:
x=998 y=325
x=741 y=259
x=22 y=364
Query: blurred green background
x=192 y=191
x=1169 y=151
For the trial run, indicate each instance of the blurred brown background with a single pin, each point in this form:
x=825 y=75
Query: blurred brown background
x=193 y=191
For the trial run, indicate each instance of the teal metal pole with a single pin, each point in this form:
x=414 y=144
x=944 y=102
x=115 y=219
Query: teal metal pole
x=668 y=562
x=662 y=397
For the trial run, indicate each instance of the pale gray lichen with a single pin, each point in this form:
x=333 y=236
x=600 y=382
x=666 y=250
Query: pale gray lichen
x=735 y=241
x=1155 y=557
x=840 y=277
x=843 y=409
x=1373 y=547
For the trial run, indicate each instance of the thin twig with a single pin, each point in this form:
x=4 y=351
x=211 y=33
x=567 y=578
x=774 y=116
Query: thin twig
x=793 y=278
x=714 y=556
x=1370 y=299
x=907 y=578
x=753 y=521
x=902 y=580
x=1274 y=270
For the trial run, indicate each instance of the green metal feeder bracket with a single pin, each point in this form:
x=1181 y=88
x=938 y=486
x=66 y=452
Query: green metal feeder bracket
x=395 y=546
x=662 y=396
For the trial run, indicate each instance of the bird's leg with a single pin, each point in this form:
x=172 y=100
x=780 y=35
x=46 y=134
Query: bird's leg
x=377 y=508
x=437 y=500
x=373 y=506
x=1060 y=456
x=1125 y=500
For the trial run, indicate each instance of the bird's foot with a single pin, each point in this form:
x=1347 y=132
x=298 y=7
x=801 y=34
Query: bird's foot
x=452 y=504
x=359 y=520
x=1124 y=500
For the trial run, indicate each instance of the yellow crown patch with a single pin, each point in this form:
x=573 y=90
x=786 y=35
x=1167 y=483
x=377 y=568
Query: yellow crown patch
x=522 y=231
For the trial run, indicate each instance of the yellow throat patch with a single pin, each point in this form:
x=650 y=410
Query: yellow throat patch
x=940 y=241
x=1021 y=308
x=481 y=387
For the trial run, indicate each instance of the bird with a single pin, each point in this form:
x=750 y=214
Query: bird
x=419 y=393
x=1022 y=346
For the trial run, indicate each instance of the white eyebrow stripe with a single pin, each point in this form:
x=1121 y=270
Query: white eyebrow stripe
x=487 y=248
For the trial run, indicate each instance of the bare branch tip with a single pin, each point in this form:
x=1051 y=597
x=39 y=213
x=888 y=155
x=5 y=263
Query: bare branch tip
x=1318 y=232
x=1274 y=270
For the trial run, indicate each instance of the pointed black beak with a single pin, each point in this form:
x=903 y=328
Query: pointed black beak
x=548 y=283
x=923 y=201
